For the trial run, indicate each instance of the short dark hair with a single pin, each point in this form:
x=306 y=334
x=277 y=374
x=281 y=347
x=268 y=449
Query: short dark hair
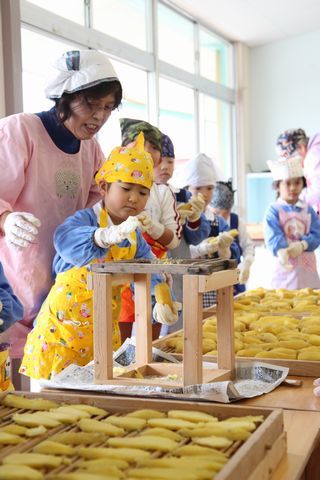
x=276 y=184
x=98 y=91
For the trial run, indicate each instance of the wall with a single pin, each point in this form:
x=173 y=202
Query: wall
x=285 y=93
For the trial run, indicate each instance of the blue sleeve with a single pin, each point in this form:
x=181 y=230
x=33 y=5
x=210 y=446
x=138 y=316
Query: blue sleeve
x=313 y=237
x=195 y=236
x=234 y=247
x=273 y=232
x=74 y=243
x=12 y=309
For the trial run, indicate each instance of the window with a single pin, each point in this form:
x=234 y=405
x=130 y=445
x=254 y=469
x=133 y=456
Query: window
x=215 y=61
x=71 y=9
x=122 y=19
x=38 y=54
x=134 y=104
x=175 y=39
x=177 y=117
x=215 y=119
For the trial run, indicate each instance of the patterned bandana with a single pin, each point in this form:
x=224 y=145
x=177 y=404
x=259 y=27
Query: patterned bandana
x=128 y=165
x=285 y=168
x=167 y=147
x=79 y=69
x=130 y=128
x=289 y=140
x=223 y=195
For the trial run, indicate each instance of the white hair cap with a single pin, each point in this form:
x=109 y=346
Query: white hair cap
x=197 y=172
x=285 y=168
x=79 y=69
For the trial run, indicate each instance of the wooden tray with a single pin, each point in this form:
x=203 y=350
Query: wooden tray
x=260 y=453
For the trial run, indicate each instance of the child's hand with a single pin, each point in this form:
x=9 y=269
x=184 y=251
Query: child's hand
x=104 y=237
x=165 y=315
x=296 y=248
x=198 y=205
x=154 y=229
x=224 y=242
x=283 y=256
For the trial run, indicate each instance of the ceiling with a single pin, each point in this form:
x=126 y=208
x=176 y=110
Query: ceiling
x=255 y=22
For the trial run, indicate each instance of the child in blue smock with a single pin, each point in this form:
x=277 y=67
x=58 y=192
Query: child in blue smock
x=108 y=231
x=11 y=311
x=292 y=229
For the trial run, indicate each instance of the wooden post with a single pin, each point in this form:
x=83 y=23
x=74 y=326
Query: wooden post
x=192 y=328
x=225 y=329
x=143 y=318
x=102 y=327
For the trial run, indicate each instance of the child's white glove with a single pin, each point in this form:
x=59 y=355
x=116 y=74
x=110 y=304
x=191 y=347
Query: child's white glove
x=153 y=228
x=283 y=256
x=20 y=229
x=104 y=237
x=296 y=248
x=197 y=205
x=224 y=242
x=206 y=247
x=244 y=268
x=165 y=315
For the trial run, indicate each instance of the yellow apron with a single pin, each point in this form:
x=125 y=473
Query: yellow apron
x=64 y=331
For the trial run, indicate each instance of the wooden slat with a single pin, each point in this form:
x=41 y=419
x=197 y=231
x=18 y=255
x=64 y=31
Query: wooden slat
x=102 y=327
x=218 y=280
x=225 y=329
x=143 y=318
x=192 y=327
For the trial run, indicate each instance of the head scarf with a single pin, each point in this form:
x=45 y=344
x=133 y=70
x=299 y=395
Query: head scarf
x=289 y=140
x=167 y=147
x=223 y=195
x=128 y=165
x=130 y=128
x=197 y=172
x=79 y=69
x=285 y=168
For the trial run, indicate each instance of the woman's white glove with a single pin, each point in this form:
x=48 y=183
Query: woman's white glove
x=20 y=229
x=165 y=315
x=296 y=248
x=153 y=228
x=224 y=242
x=206 y=247
x=244 y=268
x=283 y=256
x=104 y=237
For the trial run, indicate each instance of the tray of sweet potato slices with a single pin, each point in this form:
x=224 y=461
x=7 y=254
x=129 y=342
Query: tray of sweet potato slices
x=58 y=436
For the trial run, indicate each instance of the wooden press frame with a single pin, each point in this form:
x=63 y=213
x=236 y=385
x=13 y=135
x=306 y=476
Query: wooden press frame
x=191 y=370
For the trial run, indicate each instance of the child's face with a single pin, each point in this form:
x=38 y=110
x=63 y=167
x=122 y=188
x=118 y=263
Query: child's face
x=222 y=212
x=164 y=170
x=206 y=191
x=123 y=200
x=290 y=189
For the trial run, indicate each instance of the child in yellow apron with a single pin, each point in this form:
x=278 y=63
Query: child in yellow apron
x=108 y=231
x=11 y=311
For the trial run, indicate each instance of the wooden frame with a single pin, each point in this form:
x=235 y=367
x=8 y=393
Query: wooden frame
x=266 y=445
x=194 y=286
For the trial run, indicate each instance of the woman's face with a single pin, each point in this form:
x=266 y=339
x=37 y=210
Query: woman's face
x=124 y=199
x=206 y=191
x=164 y=170
x=289 y=190
x=88 y=116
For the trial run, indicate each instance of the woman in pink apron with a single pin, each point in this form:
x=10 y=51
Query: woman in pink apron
x=292 y=229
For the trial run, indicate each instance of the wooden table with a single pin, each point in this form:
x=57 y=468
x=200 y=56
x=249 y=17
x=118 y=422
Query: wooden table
x=302 y=424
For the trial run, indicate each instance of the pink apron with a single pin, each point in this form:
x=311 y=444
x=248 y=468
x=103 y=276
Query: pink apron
x=304 y=273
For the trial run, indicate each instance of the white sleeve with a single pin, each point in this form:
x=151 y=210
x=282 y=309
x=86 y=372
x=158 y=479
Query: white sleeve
x=170 y=217
x=245 y=241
